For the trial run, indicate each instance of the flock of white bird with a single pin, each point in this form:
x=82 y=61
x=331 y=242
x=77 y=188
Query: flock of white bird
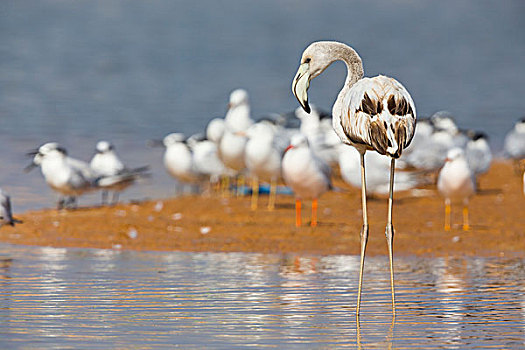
x=301 y=148
x=297 y=147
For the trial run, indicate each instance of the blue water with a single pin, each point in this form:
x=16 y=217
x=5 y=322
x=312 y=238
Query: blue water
x=80 y=71
x=83 y=299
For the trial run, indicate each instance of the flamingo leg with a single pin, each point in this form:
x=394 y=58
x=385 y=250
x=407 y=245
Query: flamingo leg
x=466 y=225
x=313 y=223
x=389 y=232
x=297 y=213
x=273 y=191
x=255 y=192
x=364 y=231
x=447 y=214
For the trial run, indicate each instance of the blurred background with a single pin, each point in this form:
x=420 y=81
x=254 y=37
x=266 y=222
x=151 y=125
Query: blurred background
x=76 y=72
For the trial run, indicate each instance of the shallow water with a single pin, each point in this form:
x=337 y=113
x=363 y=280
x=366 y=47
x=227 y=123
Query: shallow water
x=73 y=298
x=79 y=71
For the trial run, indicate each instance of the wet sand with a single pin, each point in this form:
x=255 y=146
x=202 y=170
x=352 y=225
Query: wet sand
x=216 y=224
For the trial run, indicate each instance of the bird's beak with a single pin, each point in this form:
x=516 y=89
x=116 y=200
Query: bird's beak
x=30 y=167
x=300 y=86
x=155 y=143
x=288 y=148
x=33 y=153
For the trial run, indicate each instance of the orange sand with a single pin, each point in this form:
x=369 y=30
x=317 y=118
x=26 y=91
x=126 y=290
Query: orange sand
x=199 y=223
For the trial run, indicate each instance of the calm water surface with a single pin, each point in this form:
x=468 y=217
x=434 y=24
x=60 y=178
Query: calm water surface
x=72 y=298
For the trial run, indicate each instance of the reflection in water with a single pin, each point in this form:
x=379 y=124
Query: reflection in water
x=107 y=299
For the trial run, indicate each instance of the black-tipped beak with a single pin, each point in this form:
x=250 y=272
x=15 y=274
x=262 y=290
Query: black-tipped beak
x=306 y=107
x=300 y=86
x=29 y=167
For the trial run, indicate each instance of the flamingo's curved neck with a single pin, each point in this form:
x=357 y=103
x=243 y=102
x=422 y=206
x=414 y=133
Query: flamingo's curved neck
x=354 y=64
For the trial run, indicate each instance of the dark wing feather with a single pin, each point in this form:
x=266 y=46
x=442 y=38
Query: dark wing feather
x=378 y=137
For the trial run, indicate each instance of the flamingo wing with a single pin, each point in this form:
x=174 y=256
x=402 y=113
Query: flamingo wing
x=379 y=114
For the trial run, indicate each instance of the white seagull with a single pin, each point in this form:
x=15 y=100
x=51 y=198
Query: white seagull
x=307 y=175
x=233 y=142
x=456 y=183
x=514 y=146
x=232 y=148
x=431 y=150
x=443 y=120
x=238 y=115
x=320 y=134
x=422 y=135
x=178 y=159
x=478 y=153
x=206 y=160
x=263 y=155
x=432 y=140
x=369 y=113
x=68 y=176
x=106 y=163
x=215 y=130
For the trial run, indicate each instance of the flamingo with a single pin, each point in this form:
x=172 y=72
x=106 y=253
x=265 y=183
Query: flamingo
x=376 y=114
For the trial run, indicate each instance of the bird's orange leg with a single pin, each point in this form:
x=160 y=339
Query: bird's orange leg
x=389 y=232
x=466 y=225
x=447 y=214
x=255 y=192
x=297 y=213
x=364 y=232
x=313 y=223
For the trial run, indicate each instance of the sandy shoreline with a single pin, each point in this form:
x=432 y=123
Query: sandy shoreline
x=198 y=223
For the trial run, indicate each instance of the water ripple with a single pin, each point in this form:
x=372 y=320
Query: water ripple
x=105 y=299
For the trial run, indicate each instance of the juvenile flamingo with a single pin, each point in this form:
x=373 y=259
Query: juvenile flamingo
x=375 y=114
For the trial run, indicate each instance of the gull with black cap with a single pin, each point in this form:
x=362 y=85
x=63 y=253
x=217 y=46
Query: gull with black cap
x=67 y=176
x=106 y=162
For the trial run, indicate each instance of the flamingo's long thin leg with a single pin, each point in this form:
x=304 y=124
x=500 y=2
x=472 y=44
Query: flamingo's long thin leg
x=389 y=231
x=364 y=231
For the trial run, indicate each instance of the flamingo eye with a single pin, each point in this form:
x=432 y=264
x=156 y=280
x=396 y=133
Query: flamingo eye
x=307 y=60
